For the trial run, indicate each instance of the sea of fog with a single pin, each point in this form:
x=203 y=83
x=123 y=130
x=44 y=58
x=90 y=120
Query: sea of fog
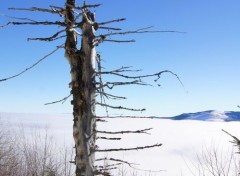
x=182 y=140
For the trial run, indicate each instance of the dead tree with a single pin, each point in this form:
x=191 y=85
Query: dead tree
x=86 y=78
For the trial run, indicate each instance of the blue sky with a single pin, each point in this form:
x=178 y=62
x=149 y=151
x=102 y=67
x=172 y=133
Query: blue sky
x=206 y=58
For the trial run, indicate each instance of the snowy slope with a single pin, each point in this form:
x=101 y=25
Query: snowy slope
x=210 y=115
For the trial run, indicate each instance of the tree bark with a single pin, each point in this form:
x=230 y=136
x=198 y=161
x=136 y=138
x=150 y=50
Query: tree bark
x=82 y=63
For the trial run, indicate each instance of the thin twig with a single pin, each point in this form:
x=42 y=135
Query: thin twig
x=124 y=132
x=138 y=31
x=88 y=6
x=116 y=160
x=111 y=85
x=38 y=9
x=112 y=21
x=110 y=96
x=100 y=120
x=119 y=107
x=17 y=18
x=53 y=37
x=119 y=41
x=122 y=116
x=56 y=7
x=128 y=149
x=34 y=23
x=122 y=69
x=58 y=101
x=109 y=28
x=145 y=76
x=110 y=165
x=107 y=168
x=8 y=24
x=105 y=138
x=140 y=76
x=32 y=66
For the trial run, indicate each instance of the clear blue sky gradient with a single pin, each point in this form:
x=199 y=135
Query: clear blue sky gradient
x=206 y=58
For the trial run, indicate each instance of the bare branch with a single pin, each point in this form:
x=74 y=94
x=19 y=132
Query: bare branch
x=53 y=37
x=110 y=96
x=108 y=138
x=121 y=116
x=119 y=41
x=56 y=7
x=145 y=76
x=124 y=132
x=88 y=6
x=107 y=168
x=128 y=149
x=110 y=165
x=58 y=101
x=138 y=31
x=34 y=9
x=119 y=107
x=8 y=24
x=122 y=69
x=116 y=160
x=35 y=23
x=111 y=85
x=12 y=17
x=47 y=39
x=127 y=163
x=109 y=28
x=140 y=76
x=32 y=66
x=100 y=120
x=102 y=173
x=112 y=21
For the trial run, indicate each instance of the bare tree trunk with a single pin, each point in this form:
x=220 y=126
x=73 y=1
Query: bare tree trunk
x=82 y=63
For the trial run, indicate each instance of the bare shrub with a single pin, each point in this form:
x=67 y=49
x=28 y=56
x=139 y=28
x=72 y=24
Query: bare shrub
x=9 y=157
x=34 y=155
x=215 y=162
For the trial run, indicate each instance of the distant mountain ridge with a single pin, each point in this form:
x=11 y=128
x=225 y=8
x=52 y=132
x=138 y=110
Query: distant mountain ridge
x=211 y=115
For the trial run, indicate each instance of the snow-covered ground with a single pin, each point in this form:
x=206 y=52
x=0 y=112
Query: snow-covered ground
x=181 y=139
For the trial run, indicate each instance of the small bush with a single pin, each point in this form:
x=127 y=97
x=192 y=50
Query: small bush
x=35 y=155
